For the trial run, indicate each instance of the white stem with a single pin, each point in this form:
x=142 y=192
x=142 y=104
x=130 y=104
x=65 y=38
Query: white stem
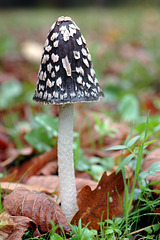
x=65 y=161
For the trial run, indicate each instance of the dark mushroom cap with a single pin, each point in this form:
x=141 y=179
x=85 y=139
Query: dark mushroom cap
x=66 y=73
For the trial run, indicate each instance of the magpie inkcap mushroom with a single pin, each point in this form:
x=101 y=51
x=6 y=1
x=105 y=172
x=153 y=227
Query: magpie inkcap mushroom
x=66 y=73
x=66 y=76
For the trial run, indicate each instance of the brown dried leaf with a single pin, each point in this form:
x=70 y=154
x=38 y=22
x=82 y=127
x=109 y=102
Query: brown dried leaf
x=13 y=227
x=34 y=165
x=49 y=169
x=8 y=187
x=52 y=182
x=4 y=139
x=37 y=206
x=81 y=182
x=7 y=225
x=93 y=203
x=10 y=177
x=17 y=153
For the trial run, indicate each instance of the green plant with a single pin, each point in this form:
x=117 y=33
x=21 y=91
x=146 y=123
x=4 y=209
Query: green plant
x=10 y=97
x=43 y=136
x=143 y=194
x=82 y=233
x=111 y=229
x=103 y=128
x=128 y=107
x=1 y=203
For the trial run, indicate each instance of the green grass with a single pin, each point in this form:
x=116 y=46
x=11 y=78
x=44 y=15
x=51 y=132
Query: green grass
x=139 y=218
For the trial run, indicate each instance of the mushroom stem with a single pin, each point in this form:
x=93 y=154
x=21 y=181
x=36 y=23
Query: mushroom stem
x=66 y=162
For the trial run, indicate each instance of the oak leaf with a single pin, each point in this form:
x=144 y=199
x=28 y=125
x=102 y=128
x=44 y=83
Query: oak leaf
x=93 y=204
x=37 y=206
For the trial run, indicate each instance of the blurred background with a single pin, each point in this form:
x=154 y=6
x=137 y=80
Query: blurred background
x=123 y=38
x=75 y=3
x=124 y=41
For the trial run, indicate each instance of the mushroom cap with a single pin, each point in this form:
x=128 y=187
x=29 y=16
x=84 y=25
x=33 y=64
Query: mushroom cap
x=66 y=73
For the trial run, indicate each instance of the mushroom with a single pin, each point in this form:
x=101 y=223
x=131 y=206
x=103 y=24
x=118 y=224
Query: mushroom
x=66 y=76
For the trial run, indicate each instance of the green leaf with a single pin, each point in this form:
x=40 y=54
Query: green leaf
x=55 y=236
x=143 y=174
x=148 y=230
x=137 y=193
x=128 y=137
x=154 y=167
x=146 y=144
x=118 y=147
x=9 y=91
x=133 y=141
x=50 y=123
x=109 y=231
x=156 y=227
x=82 y=164
x=109 y=221
x=129 y=107
x=118 y=231
x=97 y=169
x=125 y=162
x=74 y=238
x=39 y=139
x=154 y=183
x=87 y=234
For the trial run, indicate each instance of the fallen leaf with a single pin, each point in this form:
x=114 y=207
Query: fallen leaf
x=37 y=206
x=10 y=177
x=79 y=174
x=52 y=182
x=13 y=227
x=92 y=204
x=148 y=101
x=81 y=182
x=17 y=153
x=49 y=168
x=4 y=140
x=8 y=187
x=7 y=225
x=33 y=166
